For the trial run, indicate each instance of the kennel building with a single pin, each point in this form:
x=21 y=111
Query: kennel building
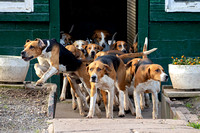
x=172 y=26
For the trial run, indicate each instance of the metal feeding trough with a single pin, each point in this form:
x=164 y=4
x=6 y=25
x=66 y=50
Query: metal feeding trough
x=13 y=69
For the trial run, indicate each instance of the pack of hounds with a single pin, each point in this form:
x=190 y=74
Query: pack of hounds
x=99 y=72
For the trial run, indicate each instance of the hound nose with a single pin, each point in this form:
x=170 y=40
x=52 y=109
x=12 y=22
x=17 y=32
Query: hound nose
x=93 y=78
x=103 y=45
x=124 y=51
x=23 y=53
x=166 y=77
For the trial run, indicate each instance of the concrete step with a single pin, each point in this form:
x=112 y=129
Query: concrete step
x=121 y=126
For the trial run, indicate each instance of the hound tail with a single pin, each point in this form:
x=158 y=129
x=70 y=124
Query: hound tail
x=133 y=55
x=145 y=47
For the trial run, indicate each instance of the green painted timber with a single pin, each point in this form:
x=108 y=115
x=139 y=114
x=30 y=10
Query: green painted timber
x=16 y=28
x=143 y=19
x=41 y=13
x=157 y=13
x=174 y=34
x=54 y=32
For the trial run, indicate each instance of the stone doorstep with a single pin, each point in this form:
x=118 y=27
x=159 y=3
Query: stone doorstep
x=181 y=113
x=120 y=125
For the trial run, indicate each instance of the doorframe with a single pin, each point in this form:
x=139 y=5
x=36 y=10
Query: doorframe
x=143 y=22
x=54 y=32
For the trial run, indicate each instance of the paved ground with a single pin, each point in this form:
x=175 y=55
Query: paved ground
x=67 y=121
x=64 y=110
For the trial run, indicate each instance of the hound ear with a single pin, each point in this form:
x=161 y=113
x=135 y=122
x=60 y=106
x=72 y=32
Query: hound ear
x=28 y=40
x=85 y=46
x=128 y=64
x=87 y=68
x=100 y=48
x=112 y=47
x=107 y=68
x=37 y=39
x=41 y=43
x=94 y=36
x=148 y=73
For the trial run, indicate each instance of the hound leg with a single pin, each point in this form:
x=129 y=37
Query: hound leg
x=40 y=70
x=93 y=97
x=104 y=96
x=131 y=107
x=155 y=105
x=50 y=72
x=147 y=99
x=142 y=102
x=126 y=100
x=64 y=87
x=74 y=105
x=80 y=97
x=122 y=98
x=137 y=104
x=109 y=113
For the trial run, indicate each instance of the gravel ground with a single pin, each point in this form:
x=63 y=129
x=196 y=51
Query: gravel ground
x=23 y=110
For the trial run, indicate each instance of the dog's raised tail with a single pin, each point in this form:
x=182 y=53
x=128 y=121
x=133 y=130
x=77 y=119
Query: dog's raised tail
x=133 y=55
x=150 y=51
x=145 y=47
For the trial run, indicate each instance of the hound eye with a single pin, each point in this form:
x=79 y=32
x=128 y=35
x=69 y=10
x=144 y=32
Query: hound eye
x=77 y=46
x=31 y=47
x=157 y=70
x=89 y=48
x=91 y=69
x=100 y=38
x=98 y=69
x=119 y=46
x=83 y=44
x=95 y=48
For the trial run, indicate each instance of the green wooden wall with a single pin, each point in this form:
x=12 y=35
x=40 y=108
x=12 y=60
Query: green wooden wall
x=174 y=34
x=15 y=28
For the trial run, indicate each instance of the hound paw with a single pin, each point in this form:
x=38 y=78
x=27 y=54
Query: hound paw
x=39 y=83
x=139 y=117
x=121 y=115
x=62 y=97
x=109 y=116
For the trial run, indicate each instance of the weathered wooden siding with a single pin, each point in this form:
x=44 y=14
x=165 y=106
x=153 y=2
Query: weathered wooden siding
x=174 y=34
x=15 y=28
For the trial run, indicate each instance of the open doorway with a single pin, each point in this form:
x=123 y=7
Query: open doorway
x=88 y=15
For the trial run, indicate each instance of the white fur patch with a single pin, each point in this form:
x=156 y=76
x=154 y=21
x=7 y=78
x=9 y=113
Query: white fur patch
x=105 y=83
x=123 y=48
x=62 y=68
x=151 y=85
x=102 y=39
x=80 y=43
x=163 y=76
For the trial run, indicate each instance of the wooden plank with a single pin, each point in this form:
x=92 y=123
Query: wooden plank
x=180 y=93
x=157 y=13
x=24 y=17
x=41 y=8
x=169 y=31
x=143 y=22
x=41 y=1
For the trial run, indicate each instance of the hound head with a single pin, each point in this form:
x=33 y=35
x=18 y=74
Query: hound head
x=101 y=37
x=80 y=44
x=66 y=38
x=130 y=69
x=93 y=49
x=156 y=72
x=121 y=46
x=97 y=70
x=32 y=49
